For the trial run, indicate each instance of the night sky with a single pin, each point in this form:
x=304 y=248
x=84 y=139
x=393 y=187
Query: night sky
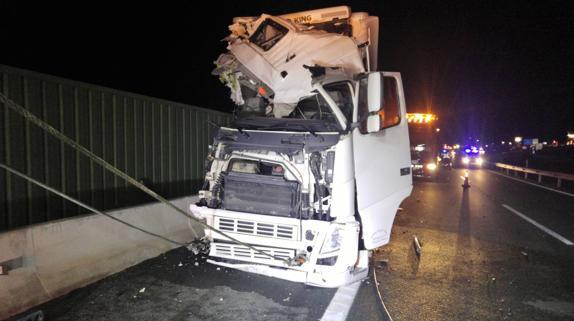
x=490 y=69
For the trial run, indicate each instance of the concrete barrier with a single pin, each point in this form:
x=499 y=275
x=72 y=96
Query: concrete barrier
x=54 y=258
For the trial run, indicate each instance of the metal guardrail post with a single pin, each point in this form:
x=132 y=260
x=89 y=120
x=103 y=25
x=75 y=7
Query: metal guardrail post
x=557 y=175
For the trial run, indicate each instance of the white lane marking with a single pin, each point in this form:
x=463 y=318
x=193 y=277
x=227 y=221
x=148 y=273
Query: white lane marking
x=341 y=303
x=540 y=226
x=533 y=184
x=380 y=296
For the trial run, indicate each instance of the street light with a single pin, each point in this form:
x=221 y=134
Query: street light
x=438 y=130
x=517 y=139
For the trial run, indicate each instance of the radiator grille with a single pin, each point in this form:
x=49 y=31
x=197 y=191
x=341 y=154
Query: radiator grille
x=243 y=253
x=260 y=194
x=281 y=231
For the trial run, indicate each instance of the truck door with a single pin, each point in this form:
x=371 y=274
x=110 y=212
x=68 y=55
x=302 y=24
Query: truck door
x=381 y=154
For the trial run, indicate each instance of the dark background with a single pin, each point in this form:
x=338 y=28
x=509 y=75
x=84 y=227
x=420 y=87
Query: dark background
x=490 y=69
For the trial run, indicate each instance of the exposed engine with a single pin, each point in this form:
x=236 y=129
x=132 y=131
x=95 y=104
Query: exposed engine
x=291 y=181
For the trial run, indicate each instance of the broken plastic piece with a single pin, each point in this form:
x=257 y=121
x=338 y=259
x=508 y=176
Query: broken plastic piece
x=199 y=246
x=299 y=259
x=417 y=246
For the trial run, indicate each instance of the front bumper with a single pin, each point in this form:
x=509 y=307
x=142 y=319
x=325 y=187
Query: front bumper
x=324 y=277
x=285 y=239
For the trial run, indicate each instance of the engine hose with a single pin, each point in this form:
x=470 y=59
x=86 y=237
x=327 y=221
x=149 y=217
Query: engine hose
x=315 y=164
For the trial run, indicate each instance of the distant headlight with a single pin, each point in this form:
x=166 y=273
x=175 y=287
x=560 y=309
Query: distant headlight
x=479 y=161
x=431 y=166
x=465 y=160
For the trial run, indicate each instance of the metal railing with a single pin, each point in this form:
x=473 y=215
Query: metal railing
x=161 y=143
x=516 y=169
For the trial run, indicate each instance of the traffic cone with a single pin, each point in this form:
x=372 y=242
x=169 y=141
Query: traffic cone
x=466 y=183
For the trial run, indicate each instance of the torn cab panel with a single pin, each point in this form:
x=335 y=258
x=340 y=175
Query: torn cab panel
x=268 y=54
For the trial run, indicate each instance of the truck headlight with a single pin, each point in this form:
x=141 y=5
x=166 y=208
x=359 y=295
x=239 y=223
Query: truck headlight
x=479 y=161
x=431 y=166
x=465 y=160
x=332 y=241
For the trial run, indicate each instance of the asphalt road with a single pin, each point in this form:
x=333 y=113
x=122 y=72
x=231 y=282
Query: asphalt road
x=179 y=286
x=497 y=251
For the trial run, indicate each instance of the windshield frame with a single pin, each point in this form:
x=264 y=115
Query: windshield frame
x=343 y=122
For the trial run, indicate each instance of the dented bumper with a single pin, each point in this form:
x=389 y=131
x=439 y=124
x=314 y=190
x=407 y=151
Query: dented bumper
x=321 y=253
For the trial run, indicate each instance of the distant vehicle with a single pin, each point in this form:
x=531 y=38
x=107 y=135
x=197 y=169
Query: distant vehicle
x=471 y=157
x=446 y=162
x=424 y=145
x=445 y=157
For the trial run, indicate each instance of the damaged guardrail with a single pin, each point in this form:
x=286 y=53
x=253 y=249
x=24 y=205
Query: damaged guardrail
x=516 y=169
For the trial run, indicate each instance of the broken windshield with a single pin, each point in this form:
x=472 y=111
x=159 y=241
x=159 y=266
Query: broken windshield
x=341 y=94
x=313 y=107
x=311 y=113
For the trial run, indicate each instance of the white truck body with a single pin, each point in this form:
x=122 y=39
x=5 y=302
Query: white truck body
x=313 y=179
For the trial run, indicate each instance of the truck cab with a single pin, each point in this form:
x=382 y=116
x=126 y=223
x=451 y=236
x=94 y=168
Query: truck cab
x=312 y=184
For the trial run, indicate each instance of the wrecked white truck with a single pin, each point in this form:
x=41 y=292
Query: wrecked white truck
x=316 y=163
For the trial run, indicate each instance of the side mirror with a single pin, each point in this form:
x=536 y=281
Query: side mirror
x=370 y=102
x=374 y=92
x=378 y=106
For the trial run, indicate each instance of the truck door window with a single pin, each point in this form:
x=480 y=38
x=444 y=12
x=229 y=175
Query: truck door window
x=390 y=113
x=341 y=93
x=268 y=34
